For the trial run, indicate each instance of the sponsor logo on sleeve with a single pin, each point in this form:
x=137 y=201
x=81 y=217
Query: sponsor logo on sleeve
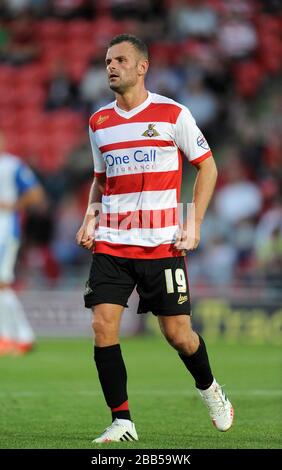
x=201 y=142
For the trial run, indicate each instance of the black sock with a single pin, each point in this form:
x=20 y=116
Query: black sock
x=112 y=375
x=199 y=366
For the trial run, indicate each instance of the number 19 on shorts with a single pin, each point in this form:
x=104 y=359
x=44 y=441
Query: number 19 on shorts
x=180 y=281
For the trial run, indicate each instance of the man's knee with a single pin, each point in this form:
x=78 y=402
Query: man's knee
x=177 y=340
x=102 y=323
x=179 y=334
x=105 y=324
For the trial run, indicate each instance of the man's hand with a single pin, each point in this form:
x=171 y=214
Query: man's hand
x=85 y=236
x=188 y=239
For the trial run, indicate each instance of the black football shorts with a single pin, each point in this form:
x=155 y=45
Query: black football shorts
x=162 y=284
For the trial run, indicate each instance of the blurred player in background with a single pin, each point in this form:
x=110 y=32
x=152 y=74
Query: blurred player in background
x=19 y=189
x=137 y=143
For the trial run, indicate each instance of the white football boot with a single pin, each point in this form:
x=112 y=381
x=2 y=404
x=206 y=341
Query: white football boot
x=220 y=408
x=119 y=430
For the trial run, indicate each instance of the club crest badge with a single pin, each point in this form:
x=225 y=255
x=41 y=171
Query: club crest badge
x=151 y=131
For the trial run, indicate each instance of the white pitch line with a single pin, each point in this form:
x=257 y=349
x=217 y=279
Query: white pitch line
x=189 y=393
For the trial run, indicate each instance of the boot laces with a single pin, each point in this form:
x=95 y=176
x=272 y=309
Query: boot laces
x=216 y=402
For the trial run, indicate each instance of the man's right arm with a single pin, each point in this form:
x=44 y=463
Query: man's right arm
x=85 y=236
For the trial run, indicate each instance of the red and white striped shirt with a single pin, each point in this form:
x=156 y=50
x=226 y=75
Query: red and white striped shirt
x=140 y=152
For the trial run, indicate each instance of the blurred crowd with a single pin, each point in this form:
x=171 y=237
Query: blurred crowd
x=220 y=58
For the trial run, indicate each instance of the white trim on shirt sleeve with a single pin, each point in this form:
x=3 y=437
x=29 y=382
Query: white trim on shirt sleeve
x=189 y=138
x=99 y=163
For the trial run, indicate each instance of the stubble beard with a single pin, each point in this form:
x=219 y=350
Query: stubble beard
x=117 y=88
x=121 y=88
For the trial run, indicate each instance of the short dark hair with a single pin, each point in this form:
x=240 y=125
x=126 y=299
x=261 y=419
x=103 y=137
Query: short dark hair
x=134 y=40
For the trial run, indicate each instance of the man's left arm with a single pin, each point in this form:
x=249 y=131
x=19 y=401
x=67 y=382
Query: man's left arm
x=189 y=236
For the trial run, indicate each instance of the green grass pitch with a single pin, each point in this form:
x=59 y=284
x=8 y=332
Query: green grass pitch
x=51 y=398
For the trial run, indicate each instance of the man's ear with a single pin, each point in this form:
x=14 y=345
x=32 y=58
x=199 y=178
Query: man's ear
x=143 y=66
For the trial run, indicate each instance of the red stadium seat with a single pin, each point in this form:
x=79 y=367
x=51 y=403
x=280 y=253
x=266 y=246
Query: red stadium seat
x=270 y=52
x=30 y=117
x=7 y=76
x=53 y=51
x=7 y=97
x=103 y=29
x=248 y=78
x=79 y=30
x=29 y=75
x=166 y=50
x=28 y=96
x=77 y=68
x=63 y=140
x=268 y=24
x=51 y=28
x=52 y=158
x=79 y=49
x=8 y=121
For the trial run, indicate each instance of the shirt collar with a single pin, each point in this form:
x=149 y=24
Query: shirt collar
x=132 y=112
